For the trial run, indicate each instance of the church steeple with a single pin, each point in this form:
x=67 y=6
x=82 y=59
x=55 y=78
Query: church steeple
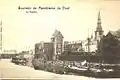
x=99 y=27
x=99 y=31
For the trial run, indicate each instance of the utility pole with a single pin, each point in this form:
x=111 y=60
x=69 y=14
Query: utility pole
x=88 y=50
x=88 y=42
x=1 y=37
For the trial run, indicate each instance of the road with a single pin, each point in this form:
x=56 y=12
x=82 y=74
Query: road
x=10 y=70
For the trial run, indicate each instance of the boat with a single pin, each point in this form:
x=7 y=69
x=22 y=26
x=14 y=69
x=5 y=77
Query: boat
x=105 y=71
x=81 y=70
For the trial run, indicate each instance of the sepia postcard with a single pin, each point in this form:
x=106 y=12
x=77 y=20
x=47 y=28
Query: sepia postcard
x=60 y=39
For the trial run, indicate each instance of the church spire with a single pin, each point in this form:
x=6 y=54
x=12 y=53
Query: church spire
x=99 y=32
x=99 y=27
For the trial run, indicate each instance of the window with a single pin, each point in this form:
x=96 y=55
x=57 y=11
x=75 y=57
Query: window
x=40 y=47
x=59 y=45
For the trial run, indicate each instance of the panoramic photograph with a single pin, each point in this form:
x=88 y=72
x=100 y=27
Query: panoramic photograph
x=60 y=39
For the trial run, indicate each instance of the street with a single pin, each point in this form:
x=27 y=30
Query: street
x=10 y=70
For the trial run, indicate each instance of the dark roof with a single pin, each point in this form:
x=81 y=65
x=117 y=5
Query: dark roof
x=56 y=33
x=115 y=33
x=118 y=33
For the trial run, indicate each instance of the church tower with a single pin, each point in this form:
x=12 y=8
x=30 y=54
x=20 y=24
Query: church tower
x=99 y=32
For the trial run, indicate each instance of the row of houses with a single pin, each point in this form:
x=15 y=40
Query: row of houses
x=8 y=53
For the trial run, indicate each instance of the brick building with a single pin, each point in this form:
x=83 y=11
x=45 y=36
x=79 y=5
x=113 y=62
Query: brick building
x=51 y=49
x=46 y=48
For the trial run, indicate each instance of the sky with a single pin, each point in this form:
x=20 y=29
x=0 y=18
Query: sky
x=22 y=30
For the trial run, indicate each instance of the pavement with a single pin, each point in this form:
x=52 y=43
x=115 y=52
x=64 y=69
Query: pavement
x=9 y=70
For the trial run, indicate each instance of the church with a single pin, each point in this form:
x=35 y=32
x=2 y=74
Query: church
x=91 y=44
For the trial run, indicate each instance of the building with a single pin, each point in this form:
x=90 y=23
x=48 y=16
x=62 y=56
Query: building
x=73 y=46
x=99 y=32
x=51 y=50
x=45 y=48
x=91 y=44
x=116 y=33
x=57 y=40
x=9 y=53
x=110 y=47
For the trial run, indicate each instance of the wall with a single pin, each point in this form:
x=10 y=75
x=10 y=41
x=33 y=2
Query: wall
x=80 y=58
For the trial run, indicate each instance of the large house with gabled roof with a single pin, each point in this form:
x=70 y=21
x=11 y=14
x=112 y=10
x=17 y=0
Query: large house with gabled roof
x=57 y=40
x=51 y=49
